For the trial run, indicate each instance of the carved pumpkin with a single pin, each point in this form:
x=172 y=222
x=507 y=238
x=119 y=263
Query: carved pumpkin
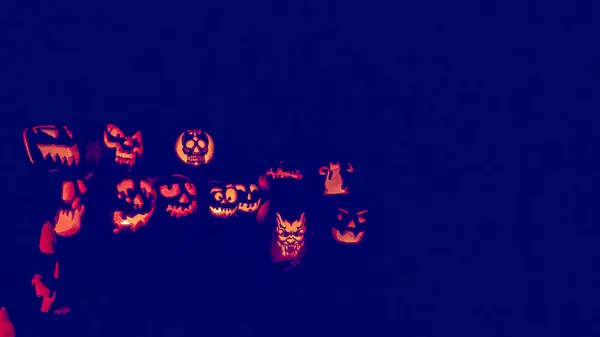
x=281 y=172
x=51 y=145
x=7 y=329
x=68 y=217
x=180 y=195
x=128 y=149
x=350 y=226
x=137 y=203
x=249 y=198
x=223 y=201
x=334 y=178
x=289 y=238
x=195 y=147
x=41 y=290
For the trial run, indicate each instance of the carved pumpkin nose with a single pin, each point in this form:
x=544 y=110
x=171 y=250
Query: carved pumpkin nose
x=351 y=224
x=76 y=202
x=128 y=142
x=138 y=202
x=184 y=199
x=196 y=150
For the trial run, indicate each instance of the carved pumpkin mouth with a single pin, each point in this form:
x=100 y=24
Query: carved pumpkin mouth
x=195 y=160
x=68 y=221
x=122 y=157
x=249 y=207
x=290 y=249
x=66 y=155
x=178 y=211
x=131 y=222
x=348 y=237
x=222 y=212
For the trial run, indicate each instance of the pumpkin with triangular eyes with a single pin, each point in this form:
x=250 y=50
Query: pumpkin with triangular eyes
x=249 y=197
x=349 y=228
x=177 y=196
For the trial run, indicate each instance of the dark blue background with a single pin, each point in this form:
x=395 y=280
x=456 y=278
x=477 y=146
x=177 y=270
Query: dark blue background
x=476 y=121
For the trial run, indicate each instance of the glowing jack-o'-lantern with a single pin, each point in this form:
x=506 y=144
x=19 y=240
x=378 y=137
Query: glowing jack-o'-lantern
x=334 y=180
x=68 y=218
x=289 y=238
x=282 y=172
x=42 y=291
x=7 y=329
x=195 y=147
x=128 y=149
x=223 y=201
x=51 y=145
x=137 y=204
x=248 y=197
x=349 y=228
x=179 y=194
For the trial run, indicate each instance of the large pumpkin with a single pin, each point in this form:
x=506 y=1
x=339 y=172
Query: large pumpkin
x=137 y=203
x=334 y=178
x=249 y=197
x=178 y=195
x=195 y=147
x=51 y=145
x=128 y=148
x=69 y=216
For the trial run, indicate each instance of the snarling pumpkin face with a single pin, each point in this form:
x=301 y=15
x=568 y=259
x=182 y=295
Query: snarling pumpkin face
x=195 y=147
x=223 y=201
x=248 y=197
x=52 y=146
x=289 y=240
x=334 y=178
x=128 y=148
x=68 y=218
x=350 y=226
x=137 y=202
x=179 y=196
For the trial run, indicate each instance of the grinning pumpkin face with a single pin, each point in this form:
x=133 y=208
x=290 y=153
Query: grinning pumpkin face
x=223 y=201
x=137 y=202
x=248 y=197
x=67 y=221
x=195 y=147
x=179 y=194
x=51 y=145
x=349 y=228
x=334 y=178
x=289 y=238
x=128 y=149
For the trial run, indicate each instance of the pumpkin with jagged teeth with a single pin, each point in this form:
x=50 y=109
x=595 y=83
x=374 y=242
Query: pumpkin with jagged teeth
x=223 y=201
x=128 y=149
x=350 y=226
x=137 y=202
x=179 y=195
x=248 y=197
x=52 y=146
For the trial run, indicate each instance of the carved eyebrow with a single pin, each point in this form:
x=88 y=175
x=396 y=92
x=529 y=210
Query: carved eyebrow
x=216 y=189
x=362 y=212
x=343 y=210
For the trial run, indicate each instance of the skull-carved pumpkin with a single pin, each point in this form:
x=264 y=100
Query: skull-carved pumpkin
x=67 y=221
x=128 y=149
x=51 y=145
x=179 y=195
x=195 y=147
x=248 y=197
x=334 y=180
x=289 y=239
x=350 y=226
x=223 y=201
x=137 y=202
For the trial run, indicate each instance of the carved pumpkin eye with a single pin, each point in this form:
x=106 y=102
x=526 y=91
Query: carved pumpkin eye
x=190 y=188
x=361 y=219
x=115 y=131
x=81 y=187
x=51 y=132
x=218 y=196
x=231 y=195
x=201 y=143
x=253 y=188
x=190 y=143
x=171 y=191
x=341 y=213
x=68 y=191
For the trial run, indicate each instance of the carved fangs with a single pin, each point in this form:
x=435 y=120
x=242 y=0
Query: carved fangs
x=66 y=155
x=178 y=211
x=222 y=212
x=290 y=249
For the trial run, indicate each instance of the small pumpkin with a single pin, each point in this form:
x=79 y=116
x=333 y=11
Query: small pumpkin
x=137 y=203
x=195 y=147
x=178 y=194
x=334 y=178
x=349 y=228
x=249 y=197
x=128 y=148
x=51 y=145
x=289 y=238
x=282 y=171
x=223 y=200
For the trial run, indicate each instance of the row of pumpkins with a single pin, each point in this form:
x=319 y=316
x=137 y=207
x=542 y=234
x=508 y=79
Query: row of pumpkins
x=54 y=148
